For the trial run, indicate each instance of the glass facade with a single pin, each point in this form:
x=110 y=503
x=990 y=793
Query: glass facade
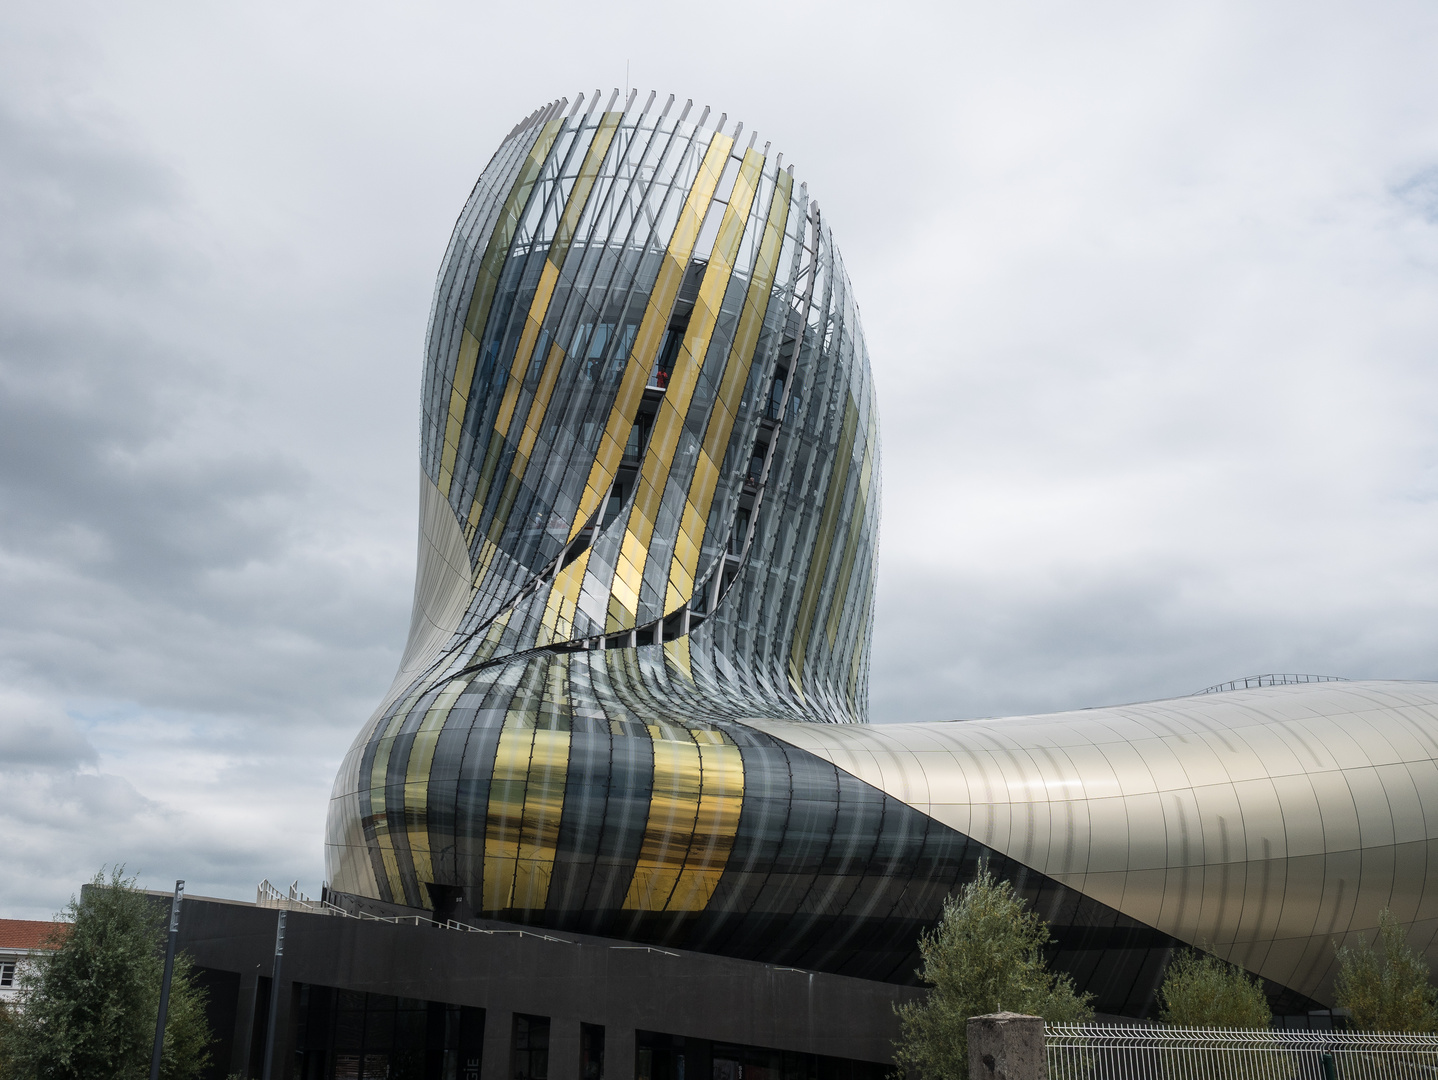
x=634 y=696
x=350 y=1035
x=661 y=1056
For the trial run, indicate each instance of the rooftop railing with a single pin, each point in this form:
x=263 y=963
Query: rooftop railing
x=1269 y=680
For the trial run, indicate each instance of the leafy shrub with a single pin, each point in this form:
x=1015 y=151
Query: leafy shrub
x=984 y=956
x=90 y=1007
x=1386 y=988
x=1200 y=990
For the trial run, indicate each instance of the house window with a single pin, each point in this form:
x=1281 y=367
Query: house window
x=7 y=973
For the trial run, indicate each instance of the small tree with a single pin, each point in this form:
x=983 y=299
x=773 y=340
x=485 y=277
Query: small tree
x=1386 y=988
x=984 y=956
x=7 y=1042
x=90 y=1006
x=1200 y=990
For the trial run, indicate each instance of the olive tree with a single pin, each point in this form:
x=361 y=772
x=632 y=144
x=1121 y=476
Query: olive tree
x=985 y=955
x=1386 y=988
x=1200 y=990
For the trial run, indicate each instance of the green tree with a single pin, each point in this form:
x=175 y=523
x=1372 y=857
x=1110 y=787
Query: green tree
x=1200 y=990
x=984 y=956
x=7 y=1042
x=90 y=1006
x=1386 y=988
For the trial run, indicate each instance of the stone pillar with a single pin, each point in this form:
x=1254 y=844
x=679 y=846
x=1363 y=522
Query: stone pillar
x=618 y=1053
x=1007 y=1046
x=498 y=1033
x=563 y=1048
x=244 y=1024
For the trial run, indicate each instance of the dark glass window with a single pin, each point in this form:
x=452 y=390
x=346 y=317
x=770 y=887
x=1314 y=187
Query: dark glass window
x=776 y=398
x=345 y=1035
x=591 y=1052
x=672 y=1057
x=529 y=1048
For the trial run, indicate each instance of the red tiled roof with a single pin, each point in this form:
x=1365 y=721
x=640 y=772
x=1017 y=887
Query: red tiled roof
x=27 y=933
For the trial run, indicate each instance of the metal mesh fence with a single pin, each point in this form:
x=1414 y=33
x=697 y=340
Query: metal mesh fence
x=1112 y=1052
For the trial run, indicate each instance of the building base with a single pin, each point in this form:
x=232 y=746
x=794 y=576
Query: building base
x=400 y=997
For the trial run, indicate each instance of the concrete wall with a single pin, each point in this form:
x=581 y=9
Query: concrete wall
x=575 y=980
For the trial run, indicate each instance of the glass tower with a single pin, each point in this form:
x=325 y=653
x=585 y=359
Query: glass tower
x=634 y=697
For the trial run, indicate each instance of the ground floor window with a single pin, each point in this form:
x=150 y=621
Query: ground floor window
x=591 y=1052
x=529 y=1048
x=352 y=1035
x=660 y=1056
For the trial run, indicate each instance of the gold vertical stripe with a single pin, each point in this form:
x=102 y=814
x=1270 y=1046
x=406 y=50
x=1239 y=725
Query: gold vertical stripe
x=379 y=808
x=819 y=563
x=458 y=401
x=855 y=526
x=485 y=283
x=731 y=391
x=544 y=293
x=492 y=637
x=538 y=307
x=526 y=797
x=677 y=652
x=583 y=185
x=673 y=807
x=559 y=610
x=651 y=330
x=506 y=807
x=539 y=824
x=416 y=783
x=552 y=365
x=858 y=645
x=674 y=408
x=716 y=824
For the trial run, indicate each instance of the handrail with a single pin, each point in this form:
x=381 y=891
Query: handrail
x=1253 y=681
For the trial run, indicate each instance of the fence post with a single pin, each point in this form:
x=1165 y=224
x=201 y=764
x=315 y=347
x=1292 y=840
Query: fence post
x=1007 y=1046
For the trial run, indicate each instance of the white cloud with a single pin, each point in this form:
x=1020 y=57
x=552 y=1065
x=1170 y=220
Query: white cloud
x=1149 y=293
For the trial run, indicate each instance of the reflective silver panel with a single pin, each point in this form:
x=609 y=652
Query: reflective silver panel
x=1264 y=824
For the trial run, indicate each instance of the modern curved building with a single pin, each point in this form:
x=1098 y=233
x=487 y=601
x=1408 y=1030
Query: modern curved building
x=633 y=703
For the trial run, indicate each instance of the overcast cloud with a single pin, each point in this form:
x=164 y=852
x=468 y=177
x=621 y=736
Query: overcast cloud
x=1151 y=294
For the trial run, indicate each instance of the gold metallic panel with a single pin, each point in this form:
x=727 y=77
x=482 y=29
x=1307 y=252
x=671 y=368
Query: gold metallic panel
x=819 y=562
x=856 y=530
x=651 y=330
x=674 y=408
x=379 y=815
x=539 y=308
x=693 y=819
x=416 y=782
x=721 y=797
x=507 y=786
x=731 y=390
x=526 y=795
x=673 y=808
x=483 y=293
x=539 y=825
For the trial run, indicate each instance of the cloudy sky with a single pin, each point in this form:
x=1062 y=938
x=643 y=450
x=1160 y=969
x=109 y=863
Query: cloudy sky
x=1151 y=293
